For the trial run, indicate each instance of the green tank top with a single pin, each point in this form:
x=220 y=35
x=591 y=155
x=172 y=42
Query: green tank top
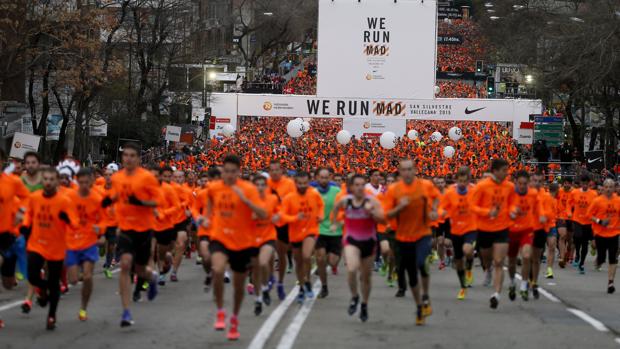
x=32 y=187
x=329 y=199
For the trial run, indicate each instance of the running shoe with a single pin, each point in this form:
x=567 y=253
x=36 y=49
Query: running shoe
x=434 y=256
x=494 y=301
x=582 y=270
x=258 y=308
x=233 y=332
x=26 y=306
x=226 y=277
x=108 y=273
x=364 y=312
x=174 y=277
x=462 y=294
x=469 y=278
x=220 y=320
x=126 y=319
x=383 y=271
x=611 y=288
x=82 y=315
x=353 y=305
x=137 y=297
x=525 y=295
x=289 y=269
x=390 y=282
x=575 y=263
x=153 y=287
x=419 y=318
x=250 y=288
x=207 y=283
x=535 y=292
x=19 y=276
x=198 y=260
x=270 y=283
x=64 y=289
x=309 y=291
x=427 y=309
x=301 y=296
x=488 y=278
x=549 y=273
x=51 y=324
x=162 y=280
x=266 y=298
x=145 y=285
x=512 y=292
x=281 y=293
x=324 y=292
x=400 y=293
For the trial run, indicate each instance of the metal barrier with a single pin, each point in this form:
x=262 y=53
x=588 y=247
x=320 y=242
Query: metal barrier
x=567 y=169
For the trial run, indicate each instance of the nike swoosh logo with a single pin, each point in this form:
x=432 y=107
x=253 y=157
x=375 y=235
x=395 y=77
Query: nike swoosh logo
x=593 y=160
x=467 y=111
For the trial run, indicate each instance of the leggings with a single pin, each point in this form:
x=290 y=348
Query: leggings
x=411 y=258
x=582 y=237
x=50 y=288
x=606 y=248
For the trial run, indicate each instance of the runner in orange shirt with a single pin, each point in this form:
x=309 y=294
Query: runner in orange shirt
x=524 y=211
x=303 y=209
x=233 y=204
x=135 y=194
x=604 y=212
x=565 y=226
x=578 y=204
x=550 y=206
x=413 y=202
x=266 y=244
x=441 y=228
x=111 y=223
x=82 y=243
x=490 y=203
x=182 y=228
x=462 y=227
x=49 y=215
x=281 y=186
x=204 y=232
x=541 y=231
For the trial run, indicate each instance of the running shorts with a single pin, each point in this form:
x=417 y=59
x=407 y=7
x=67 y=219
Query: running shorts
x=519 y=239
x=282 y=233
x=138 y=244
x=298 y=244
x=183 y=225
x=110 y=234
x=239 y=260
x=606 y=248
x=331 y=244
x=166 y=237
x=583 y=231
x=77 y=257
x=459 y=240
x=487 y=239
x=540 y=238
x=366 y=247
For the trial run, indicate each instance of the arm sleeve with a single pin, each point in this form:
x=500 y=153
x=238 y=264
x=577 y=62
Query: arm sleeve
x=476 y=197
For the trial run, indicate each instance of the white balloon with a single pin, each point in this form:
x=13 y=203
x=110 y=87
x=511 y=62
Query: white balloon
x=412 y=134
x=343 y=137
x=295 y=128
x=449 y=151
x=307 y=119
x=436 y=136
x=299 y=119
x=455 y=133
x=388 y=140
x=228 y=130
x=306 y=126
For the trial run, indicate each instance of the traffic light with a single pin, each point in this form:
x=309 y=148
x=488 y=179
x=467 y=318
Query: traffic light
x=479 y=67
x=490 y=86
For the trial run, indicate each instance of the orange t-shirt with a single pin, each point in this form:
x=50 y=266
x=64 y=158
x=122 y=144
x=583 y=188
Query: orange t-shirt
x=90 y=215
x=549 y=210
x=457 y=206
x=186 y=199
x=413 y=222
x=167 y=209
x=488 y=194
x=312 y=206
x=603 y=207
x=578 y=203
x=200 y=209
x=233 y=223
x=48 y=231
x=284 y=186
x=11 y=188
x=529 y=209
x=265 y=229
x=563 y=199
x=144 y=186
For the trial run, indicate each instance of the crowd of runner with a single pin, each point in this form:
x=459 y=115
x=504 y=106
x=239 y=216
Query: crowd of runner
x=56 y=222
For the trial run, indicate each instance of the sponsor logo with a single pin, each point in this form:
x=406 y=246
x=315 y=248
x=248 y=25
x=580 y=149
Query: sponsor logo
x=18 y=145
x=594 y=160
x=382 y=108
x=467 y=111
x=368 y=77
x=267 y=106
x=366 y=124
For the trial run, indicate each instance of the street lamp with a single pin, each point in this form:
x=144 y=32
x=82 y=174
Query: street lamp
x=212 y=75
x=529 y=78
x=268 y=13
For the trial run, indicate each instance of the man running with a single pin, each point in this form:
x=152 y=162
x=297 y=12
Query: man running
x=282 y=186
x=578 y=204
x=183 y=220
x=414 y=202
x=361 y=214
x=605 y=215
x=135 y=194
x=233 y=203
x=329 y=243
x=82 y=251
x=165 y=229
x=540 y=233
x=110 y=222
x=463 y=227
x=303 y=209
x=565 y=226
x=490 y=203
x=204 y=232
x=550 y=207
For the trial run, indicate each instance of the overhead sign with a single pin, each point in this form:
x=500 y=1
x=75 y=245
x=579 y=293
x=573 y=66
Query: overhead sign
x=388 y=48
x=98 y=128
x=173 y=133
x=368 y=127
x=549 y=129
x=22 y=144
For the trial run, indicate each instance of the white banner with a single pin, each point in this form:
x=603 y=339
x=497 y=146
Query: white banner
x=173 y=133
x=27 y=124
x=223 y=112
x=387 y=47
x=23 y=143
x=98 y=128
x=368 y=127
x=526 y=136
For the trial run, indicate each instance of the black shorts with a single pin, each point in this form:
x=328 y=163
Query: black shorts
x=271 y=243
x=606 y=248
x=110 y=234
x=204 y=238
x=459 y=240
x=166 y=237
x=282 y=233
x=239 y=260
x=366 y=247
x=487 y=239
x=138 y=244
x=300 y=243
x=182 y=226
x=443 y=229
x=8 y=266
x=540 y=239
x=331 y=244
x=6 y=242
x=583 y=231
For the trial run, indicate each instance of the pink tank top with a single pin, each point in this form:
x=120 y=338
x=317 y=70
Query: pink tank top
x=358 y=222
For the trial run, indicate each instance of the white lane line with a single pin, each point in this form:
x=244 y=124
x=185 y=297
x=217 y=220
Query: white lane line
x=288 y=338
x=263 y=334
x=19 y=303
x=599 y=326
x=618 y=340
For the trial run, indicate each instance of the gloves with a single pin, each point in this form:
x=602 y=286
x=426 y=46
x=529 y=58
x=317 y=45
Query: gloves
x=106 y=202
x=64 y=217
x=133 y=200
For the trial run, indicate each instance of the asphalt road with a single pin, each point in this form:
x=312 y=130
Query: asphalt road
x=574 y=312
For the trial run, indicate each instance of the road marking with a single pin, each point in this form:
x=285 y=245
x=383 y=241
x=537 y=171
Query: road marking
x=19 y=303
x=599 y=326
x=618 y=340
x=549 y=296
x=288 y=338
